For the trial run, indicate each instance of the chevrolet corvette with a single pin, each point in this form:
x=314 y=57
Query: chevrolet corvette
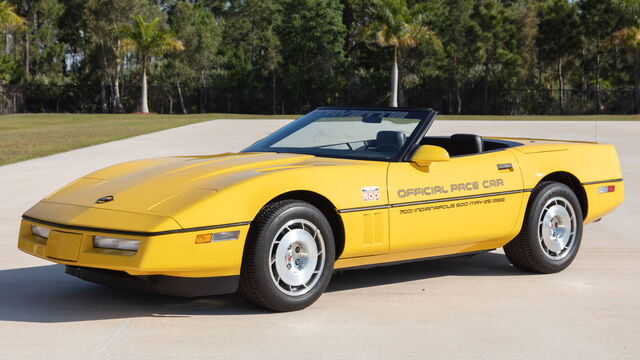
x=338 y=188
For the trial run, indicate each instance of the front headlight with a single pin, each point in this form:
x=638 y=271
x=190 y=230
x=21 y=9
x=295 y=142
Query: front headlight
x=40 y=231
x=105 y=242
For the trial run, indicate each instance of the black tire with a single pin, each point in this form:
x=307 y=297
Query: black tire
x=256 y=283
x=528 y=251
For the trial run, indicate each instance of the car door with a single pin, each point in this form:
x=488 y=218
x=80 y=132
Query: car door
x=466 y=200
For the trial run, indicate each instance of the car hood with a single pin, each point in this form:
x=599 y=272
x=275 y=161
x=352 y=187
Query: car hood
x=161 y=185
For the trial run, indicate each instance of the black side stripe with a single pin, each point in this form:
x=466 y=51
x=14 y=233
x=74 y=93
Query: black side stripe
x=433 y=201
x=364 y=208
x=133 y=233
x=601 y=182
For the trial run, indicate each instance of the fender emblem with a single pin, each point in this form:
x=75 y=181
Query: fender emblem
x=104 y=199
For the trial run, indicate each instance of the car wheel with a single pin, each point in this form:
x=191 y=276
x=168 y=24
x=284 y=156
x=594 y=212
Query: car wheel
x=551 y=232
x=288 y=258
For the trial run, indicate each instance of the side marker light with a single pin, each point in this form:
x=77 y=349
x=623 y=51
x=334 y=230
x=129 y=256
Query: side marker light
x=606 y=189
x=203 y=238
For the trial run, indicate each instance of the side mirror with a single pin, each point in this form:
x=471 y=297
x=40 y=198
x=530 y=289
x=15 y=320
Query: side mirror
x=426 y=154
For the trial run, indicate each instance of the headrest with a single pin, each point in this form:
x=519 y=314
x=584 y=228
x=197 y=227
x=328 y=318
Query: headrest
x=467 y=143
x=389 y=141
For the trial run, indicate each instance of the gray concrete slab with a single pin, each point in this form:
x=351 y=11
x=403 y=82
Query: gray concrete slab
x=478 y=308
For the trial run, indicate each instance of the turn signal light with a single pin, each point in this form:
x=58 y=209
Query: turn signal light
x=106 y=242
x=40 y=231
x=203 y=238
x=606 y=189
x=219 y=236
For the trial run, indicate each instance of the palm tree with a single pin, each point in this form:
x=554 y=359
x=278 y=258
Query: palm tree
x=9 y=20
x=148 y=40
x=8 y=17
x=394 y=24
x=629 y=39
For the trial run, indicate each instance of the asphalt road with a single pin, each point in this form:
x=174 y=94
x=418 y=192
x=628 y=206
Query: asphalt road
x=476 y=308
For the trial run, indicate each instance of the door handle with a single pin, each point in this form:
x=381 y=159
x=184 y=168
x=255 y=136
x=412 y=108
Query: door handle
x=506 y=166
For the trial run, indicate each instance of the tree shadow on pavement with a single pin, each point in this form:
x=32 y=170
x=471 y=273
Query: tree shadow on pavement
x=45 y=294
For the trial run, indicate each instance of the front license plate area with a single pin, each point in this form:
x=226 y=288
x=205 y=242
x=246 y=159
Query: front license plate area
x=63 y=245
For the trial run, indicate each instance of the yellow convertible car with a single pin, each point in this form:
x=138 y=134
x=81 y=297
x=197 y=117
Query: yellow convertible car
x=338 y=188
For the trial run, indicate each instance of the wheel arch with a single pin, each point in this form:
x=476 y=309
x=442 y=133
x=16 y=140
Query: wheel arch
x=574 y=184
x=325 y=206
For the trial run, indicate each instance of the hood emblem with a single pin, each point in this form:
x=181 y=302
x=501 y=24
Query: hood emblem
x=104 y=199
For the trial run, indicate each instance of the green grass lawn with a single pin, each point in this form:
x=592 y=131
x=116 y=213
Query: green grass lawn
x=27 y=136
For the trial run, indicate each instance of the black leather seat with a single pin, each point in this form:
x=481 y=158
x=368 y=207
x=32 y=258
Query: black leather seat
x=465 y=144
x=390 y=141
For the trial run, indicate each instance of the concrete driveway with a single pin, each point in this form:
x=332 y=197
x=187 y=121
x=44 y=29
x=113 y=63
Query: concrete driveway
x=478 y=308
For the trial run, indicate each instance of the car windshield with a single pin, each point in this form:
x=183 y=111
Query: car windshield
x=345 y=133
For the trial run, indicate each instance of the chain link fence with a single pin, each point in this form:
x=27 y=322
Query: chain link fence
x=269 y=100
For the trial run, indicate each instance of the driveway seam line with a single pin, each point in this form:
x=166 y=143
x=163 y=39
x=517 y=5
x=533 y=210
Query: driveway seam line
x=112 y=339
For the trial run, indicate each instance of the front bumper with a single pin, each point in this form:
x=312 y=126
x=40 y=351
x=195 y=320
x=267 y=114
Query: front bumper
x=160 y=284
x=174 y=254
